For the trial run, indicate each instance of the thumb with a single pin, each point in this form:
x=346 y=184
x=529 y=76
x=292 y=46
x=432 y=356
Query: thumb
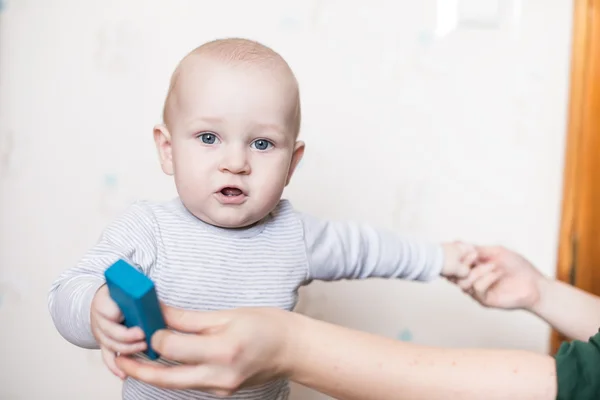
x=193 y=321
x=106 y=306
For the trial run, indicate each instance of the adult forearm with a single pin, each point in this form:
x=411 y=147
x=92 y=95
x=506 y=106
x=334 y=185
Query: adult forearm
x=348 y=364
x=572 y=311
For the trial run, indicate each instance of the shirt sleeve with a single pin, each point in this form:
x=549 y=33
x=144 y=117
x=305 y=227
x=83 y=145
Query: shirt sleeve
x=348 y=250
x=130 y=237
x=578 y=370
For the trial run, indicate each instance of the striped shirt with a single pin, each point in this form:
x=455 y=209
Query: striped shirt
x=197 y=266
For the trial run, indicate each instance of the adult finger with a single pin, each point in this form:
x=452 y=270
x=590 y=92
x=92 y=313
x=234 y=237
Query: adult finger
x=476 y=273
x=109 y=360
x=484 y=283
x=193 y=321
x=193 y=348
x=200 y=377
x=486 y=253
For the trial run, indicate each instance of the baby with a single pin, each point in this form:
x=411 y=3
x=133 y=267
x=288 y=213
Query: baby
x=230 y=141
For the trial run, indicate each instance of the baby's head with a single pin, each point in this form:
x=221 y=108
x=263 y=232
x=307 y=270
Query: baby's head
x=229 y=138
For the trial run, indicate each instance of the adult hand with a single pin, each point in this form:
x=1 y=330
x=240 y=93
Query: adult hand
x=503 y=279
x=221 y=351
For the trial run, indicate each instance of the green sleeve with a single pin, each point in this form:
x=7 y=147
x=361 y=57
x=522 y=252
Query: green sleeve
x=578 y=370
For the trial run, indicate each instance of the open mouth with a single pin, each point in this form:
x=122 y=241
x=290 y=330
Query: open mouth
x=231 y=192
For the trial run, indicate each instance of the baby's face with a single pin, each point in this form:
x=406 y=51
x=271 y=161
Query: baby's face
x=233 y=145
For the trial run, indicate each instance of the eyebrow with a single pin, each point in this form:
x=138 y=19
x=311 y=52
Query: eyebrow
x=279 y=133
x=274 y=128
x=192 y=124
x=209 y=120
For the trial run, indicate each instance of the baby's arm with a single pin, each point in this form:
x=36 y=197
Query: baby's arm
x=347 y=250
x=131 y=237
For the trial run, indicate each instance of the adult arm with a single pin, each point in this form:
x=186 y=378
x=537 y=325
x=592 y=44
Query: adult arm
x=505 y=279
x=238 y=348
x=573 y=312
x=348 y=364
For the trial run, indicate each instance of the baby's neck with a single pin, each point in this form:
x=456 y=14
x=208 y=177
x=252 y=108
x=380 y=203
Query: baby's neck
x=244 y=231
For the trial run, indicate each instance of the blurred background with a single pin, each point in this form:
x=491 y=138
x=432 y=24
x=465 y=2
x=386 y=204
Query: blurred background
x=455 y=110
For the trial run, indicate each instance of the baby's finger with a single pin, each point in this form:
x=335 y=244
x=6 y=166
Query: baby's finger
x=462 y=271
x=119 y=347
x=470 y=258
x=125 y=348
x=474 y=275
x=105 y=306
x=120 y=333
x=109 y=359
x=109 y=310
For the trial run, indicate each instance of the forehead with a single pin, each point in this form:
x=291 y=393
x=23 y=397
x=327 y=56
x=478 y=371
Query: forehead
x=265 y=94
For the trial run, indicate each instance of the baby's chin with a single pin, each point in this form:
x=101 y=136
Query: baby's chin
x=233 y=220
x=234 y=225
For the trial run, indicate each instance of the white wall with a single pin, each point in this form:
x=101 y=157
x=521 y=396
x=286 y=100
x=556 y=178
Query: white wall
x=455 y=136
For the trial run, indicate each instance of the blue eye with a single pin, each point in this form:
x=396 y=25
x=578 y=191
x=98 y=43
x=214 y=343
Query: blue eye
x=262 y=144
x=208 y=138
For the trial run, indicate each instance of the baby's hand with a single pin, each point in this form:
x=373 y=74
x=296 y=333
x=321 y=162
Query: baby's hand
x=459 y=258
x=112 y=336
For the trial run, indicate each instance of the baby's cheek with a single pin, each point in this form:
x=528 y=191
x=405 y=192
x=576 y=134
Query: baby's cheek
x=273 y=177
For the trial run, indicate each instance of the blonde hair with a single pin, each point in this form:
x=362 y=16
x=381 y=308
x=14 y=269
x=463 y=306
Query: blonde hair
x=236 y=51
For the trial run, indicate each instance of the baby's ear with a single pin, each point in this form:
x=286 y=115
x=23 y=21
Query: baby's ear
x=162 y=138
x=296 y=158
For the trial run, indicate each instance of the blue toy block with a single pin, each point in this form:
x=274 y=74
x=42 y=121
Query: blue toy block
x=135 y=295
